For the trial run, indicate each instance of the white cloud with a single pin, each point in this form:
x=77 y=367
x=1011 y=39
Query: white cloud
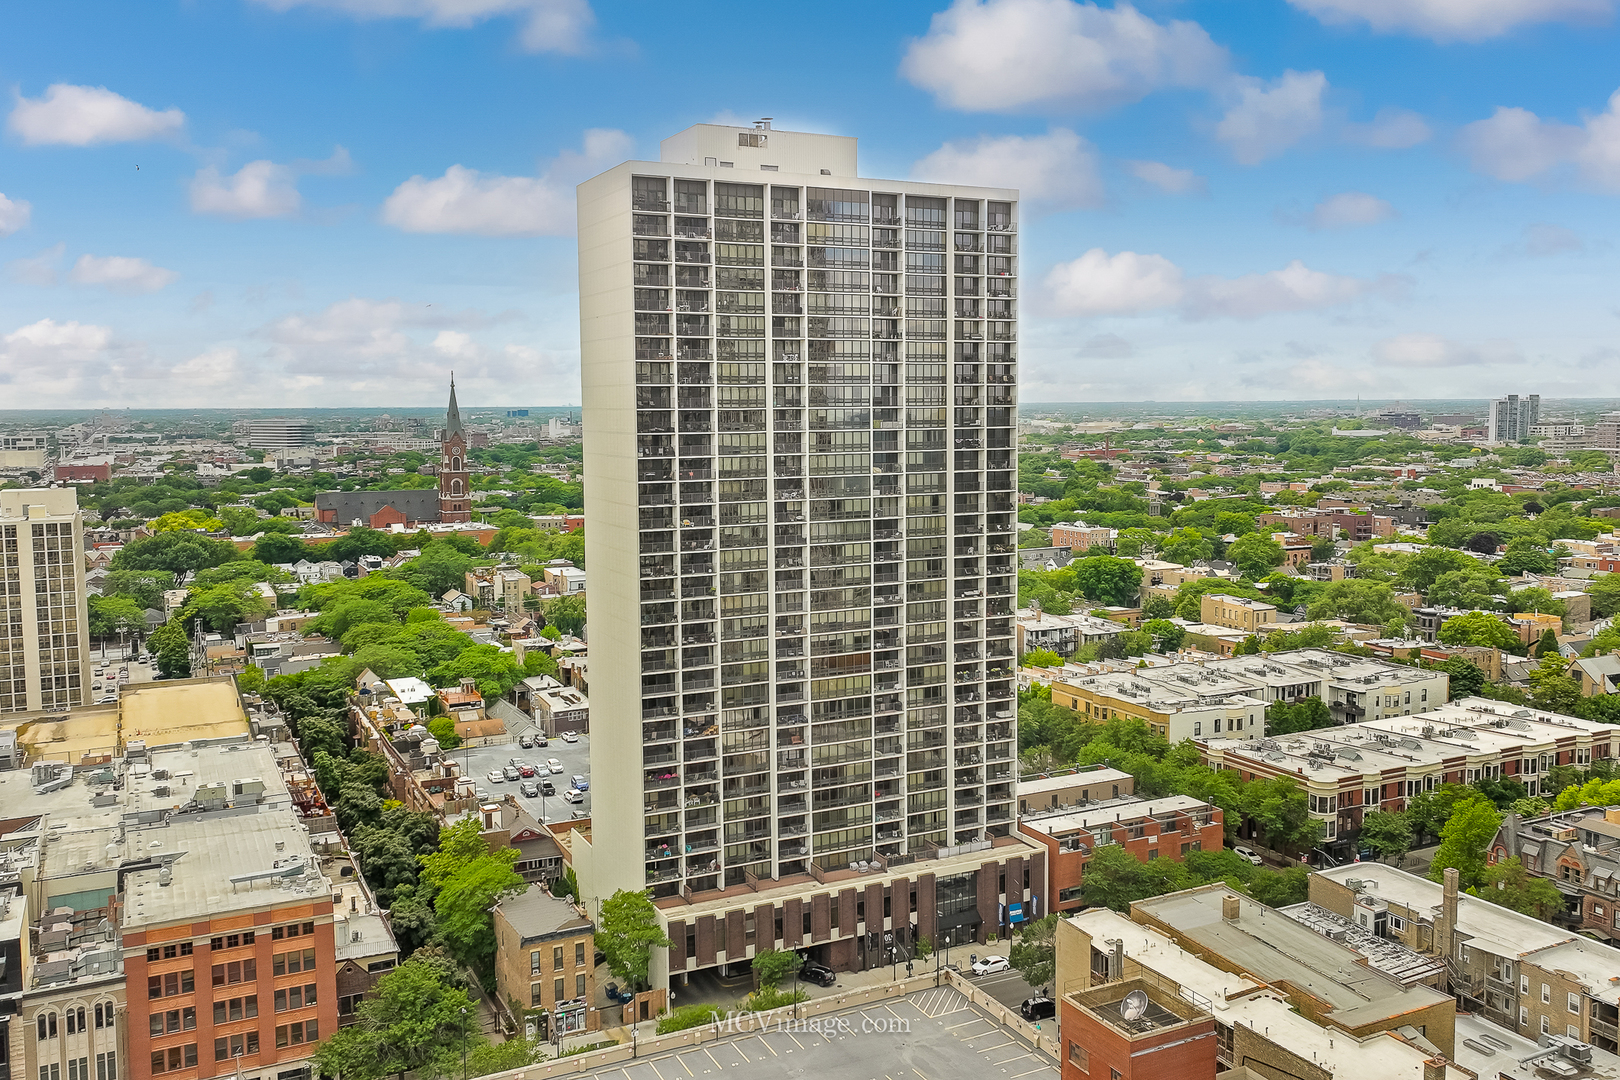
x=557 y=26
x=259 y=189
x=1515 y=144
x=1349 y=210
x=1434 y=351
x=1167 y=178
x=219 y=366
x=1010 y=55
x=120 y=273
x=82 y=115
x=465 y=200
x=1268 y=119
x=14 y=214
x=1099 y=284
x=1454 y=20
x=50 y=361
x=1390 y=129
x=1057 y=170
x=37 y=269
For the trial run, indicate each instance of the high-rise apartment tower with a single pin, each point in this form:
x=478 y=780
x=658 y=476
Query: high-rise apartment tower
x=1512 y=417
x=44 y=627
x=799 y=399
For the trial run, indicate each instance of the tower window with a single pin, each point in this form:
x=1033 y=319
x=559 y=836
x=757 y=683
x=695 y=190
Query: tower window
x=455 y=464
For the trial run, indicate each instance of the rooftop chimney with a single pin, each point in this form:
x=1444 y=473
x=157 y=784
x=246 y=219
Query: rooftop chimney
x=1231 y=907
x=1446 y=928
x=1434 y=1068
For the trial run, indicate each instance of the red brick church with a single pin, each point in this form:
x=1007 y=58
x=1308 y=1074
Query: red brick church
x=452 y=502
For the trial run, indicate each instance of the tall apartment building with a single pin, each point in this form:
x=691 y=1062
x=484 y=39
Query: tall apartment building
x=44 y=625
x=1512 y=417
x=799 y=397
x=278 y=433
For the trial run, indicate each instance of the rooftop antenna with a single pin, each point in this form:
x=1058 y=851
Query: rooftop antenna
x=1134 y=1005
x=763 y=123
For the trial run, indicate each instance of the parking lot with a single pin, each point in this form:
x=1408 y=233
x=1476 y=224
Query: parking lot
x=105 y=685
x=575 y=758
x=929 y=1035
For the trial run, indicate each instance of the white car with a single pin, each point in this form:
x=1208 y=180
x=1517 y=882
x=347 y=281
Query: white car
x=991 y=965
x=496 y=776
x=553 y=765
x=570 y=736
x=574 y=795
x=1248 y=853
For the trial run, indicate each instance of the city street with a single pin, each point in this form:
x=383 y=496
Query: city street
x=575 y=758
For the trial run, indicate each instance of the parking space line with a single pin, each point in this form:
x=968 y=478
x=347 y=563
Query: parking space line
x=1015 y=1057
x=1032 y=1072
x=767 y=1045
x=918 y=1072
x=966 y=1023
x=998 y=1046
x=654 y=1067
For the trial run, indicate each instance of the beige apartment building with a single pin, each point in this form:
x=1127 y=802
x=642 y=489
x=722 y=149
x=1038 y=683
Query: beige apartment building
x=44 y=625
x=1236 y=613
x=799 y=406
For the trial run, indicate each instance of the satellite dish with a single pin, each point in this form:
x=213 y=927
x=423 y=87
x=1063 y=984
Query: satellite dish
x=1134 y=1006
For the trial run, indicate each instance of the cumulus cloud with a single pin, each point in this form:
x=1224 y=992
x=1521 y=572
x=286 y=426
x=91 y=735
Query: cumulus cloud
x=1434 y=351
x=1167 y=178
x=1454 y=20
x=71 y=115
x=1011 y=55
x=555 y=26
x=1517 y=145
x=39 y=269
x=465 y=200
x=14 y=214
x=1349 y=210
x=1057 y=170
x=1267 y=119
x=259 y=189
x=219 y=366
x=120 y=273
x=1098 y=283
x=1128 y=283
x=1390 y=129
x=50 y=361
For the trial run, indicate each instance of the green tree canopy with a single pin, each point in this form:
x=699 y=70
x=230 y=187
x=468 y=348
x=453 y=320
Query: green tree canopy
x=1468 y=830
x=1389 y=835
x=1255 y=555
x=627 y=933
x=178 y=553
x=1106 y=579
x=415 y=1021
x=145 y=587
x=1508 y=883
x=1478 y=628
x=1305 y=714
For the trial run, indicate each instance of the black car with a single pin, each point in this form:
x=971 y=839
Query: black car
x=1038 y=1008
x=820 y=974
x=547 y=788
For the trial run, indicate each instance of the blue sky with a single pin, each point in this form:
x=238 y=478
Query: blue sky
x=277 y=203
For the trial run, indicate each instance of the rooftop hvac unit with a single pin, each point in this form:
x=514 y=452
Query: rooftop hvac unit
x=1565 y=833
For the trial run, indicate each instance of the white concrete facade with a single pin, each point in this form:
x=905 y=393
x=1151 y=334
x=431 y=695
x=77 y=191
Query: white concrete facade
x=44 y=623
x=799 y=406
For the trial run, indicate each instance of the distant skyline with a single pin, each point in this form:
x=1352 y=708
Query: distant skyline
x=286 y=203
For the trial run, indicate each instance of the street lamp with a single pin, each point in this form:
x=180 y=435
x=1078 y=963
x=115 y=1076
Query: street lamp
x=463 y=1044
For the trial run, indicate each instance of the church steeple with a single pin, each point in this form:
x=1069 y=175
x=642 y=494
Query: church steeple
x=452 y=415
x=455 y=483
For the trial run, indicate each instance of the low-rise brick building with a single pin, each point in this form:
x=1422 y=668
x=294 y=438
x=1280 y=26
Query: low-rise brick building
x=545 y=962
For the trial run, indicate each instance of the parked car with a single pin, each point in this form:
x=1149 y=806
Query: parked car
x=573 y=795
x=527 y=742
x=621 y=997
x=495 y=776
x=512 y=772
x=530 y=790
x=570 y=736
x=817 y=973
x=547 y=788
x=581 y=783
x=554 y=766
x=541 y=742
x=526 y=770
x=991 y=965
x=1038 y=1008
x=1248 y=853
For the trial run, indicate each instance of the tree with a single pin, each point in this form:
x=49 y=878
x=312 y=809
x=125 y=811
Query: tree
x=1550 y=685
x=1526 y=555
x=1279 y=809
x=242 y=571
x=278 y=548
x=1536 y=599
x=440 y=568
x=1255 y=555
x=414 y=1021
x=1389 y=835
x=495 y=671
x=222 y=607
x=1605 y=594
x=239 y=520
x=1469 y=829
x=145 y=587
x=1034 y=951
x=1508 y=883
x=193 y=520
x=173 y=650
x=113 y=615
x=1357 y=601
x=567 y=614
x=1429 y=810
x=772 y=966
x=470 y=878
x=1166 y=634
x=1422 y=569
x=1306 y=714
x=178 y=553
x=1158 y=606
x=1478 y=628
x=1547 y=645
x=1474 y=588
x=1465 y=678
x=1042 y=658
x=1107 y=579
x=1280 y=888
x=1485 y=543
x=443 y=728
x=627 y=933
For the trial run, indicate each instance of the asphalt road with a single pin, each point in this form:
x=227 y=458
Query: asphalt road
x=575 y=758
x=1009 y=987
